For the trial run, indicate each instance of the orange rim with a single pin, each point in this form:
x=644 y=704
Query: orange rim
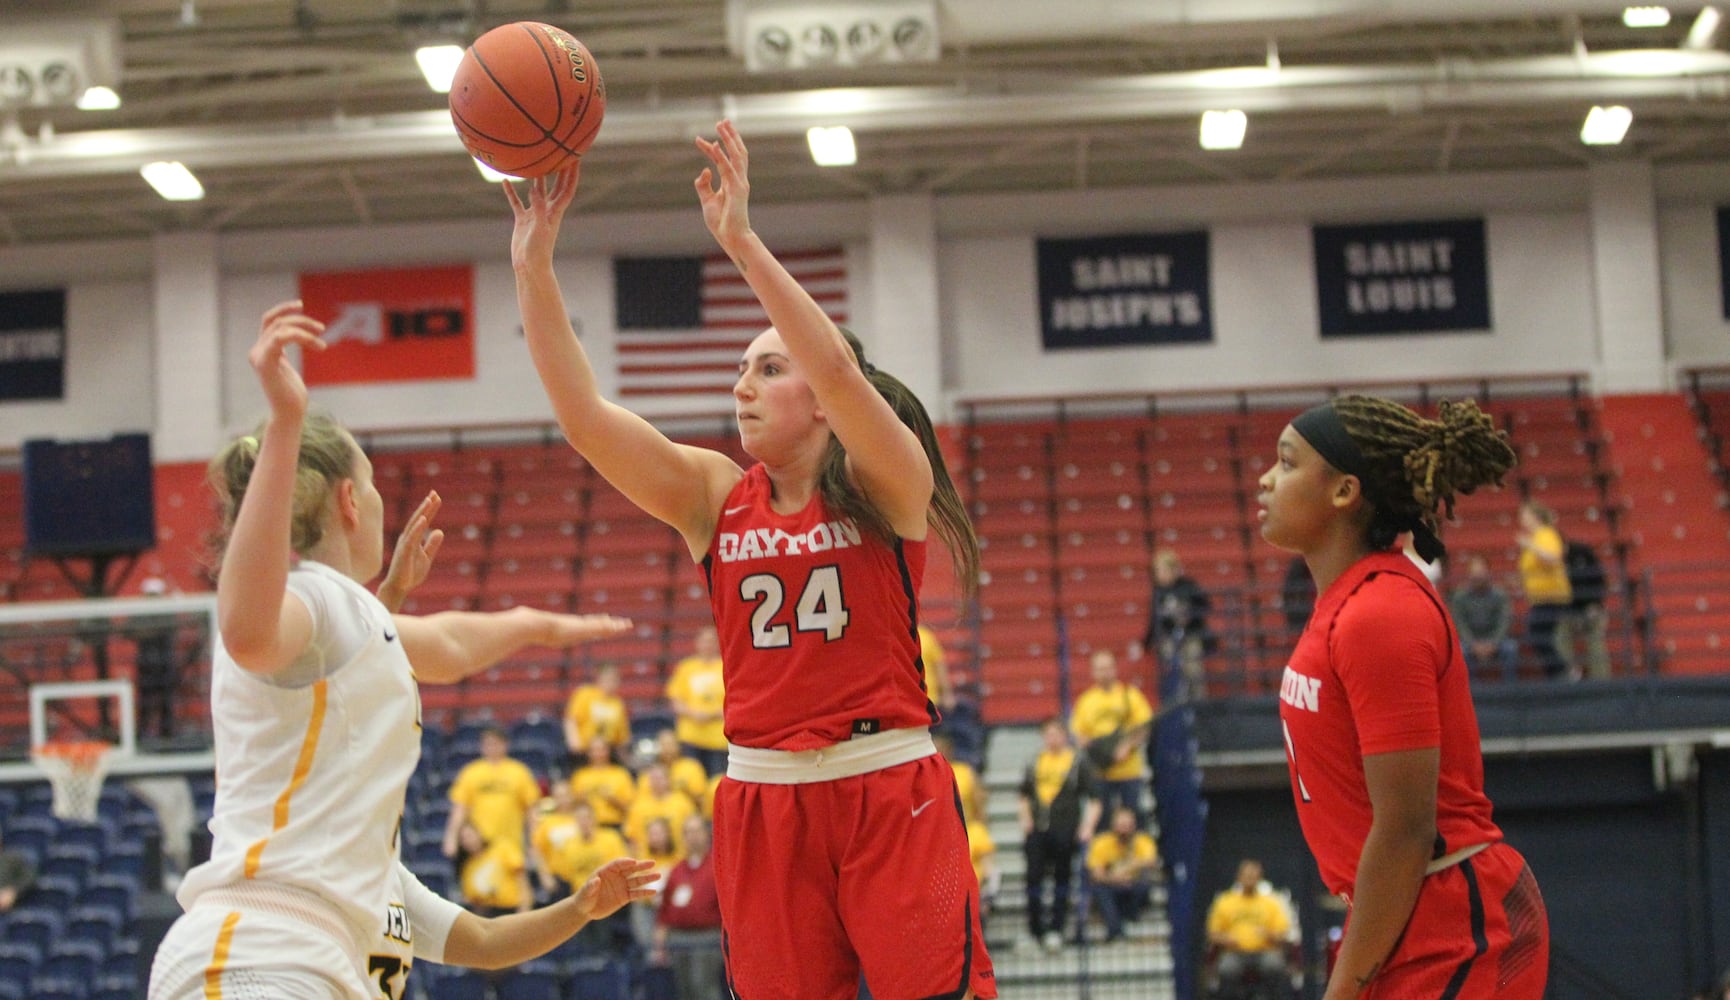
x=78 y=753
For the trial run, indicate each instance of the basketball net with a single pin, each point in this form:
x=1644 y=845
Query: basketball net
x=75 y=771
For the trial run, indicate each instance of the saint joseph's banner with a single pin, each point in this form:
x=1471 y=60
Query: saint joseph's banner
x=1107 y=291
x=684 y=322
x=1402 y=277
x=33 y=345
x=1724 y=257
x=399 y=325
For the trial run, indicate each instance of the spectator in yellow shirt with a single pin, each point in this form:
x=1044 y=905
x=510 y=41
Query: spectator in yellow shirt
x=1111 y=720
x=967 y=783
x=1549 y=598
x=937 y=687
x=1120 y=866
x=1250 y=926
x=708 y=802
x=495 y=792
x=495 y=879
x=597 y=710
x=662 y=846
x=982 y=849
x=553 y=826
x=604 y=784
x=698 y=694
x=660 y=801
x=683 y=772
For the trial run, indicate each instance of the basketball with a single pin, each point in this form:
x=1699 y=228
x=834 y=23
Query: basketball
x=527 y=99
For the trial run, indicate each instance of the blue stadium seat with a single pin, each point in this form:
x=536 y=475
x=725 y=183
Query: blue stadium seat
x=74 y=868
x=33 y=926
x=536 y=759
x=98 y=923
x=50 y=986
x=110 y=890
x=81 y=953
x=54 y=892
x=598 y=978
x=648 y=725
x=465 y=984
x=8 y=800
x=14 y=989
x=125 y=860
x=541 y=730
x=658 y=983
x=87 y=838
x=522 y=985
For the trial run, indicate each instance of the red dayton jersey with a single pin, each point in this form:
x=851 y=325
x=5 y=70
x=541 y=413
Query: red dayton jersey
x=1377 y=670
x=817 y=622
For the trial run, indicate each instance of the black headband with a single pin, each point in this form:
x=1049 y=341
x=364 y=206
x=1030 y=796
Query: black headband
x=1321 y=427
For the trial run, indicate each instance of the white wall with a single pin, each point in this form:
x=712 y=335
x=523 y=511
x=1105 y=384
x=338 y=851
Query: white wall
x=1543 y=294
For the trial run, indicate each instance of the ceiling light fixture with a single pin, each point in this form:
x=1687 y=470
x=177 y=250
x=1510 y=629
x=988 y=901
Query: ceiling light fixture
x=1703 y=34
x=438 y=63
x=172 y=180
x=1649 y=16
x=1223 y=129
x=832 y=147
x=1606 y=126
x=98 y=99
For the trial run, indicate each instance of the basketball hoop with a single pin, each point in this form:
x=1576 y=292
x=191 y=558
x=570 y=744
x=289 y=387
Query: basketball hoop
x=75 y=769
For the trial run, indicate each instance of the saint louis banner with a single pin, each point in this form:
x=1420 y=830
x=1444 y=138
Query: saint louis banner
x=1402 y=277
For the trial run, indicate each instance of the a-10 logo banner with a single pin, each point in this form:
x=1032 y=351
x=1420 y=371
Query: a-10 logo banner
x=398 y=325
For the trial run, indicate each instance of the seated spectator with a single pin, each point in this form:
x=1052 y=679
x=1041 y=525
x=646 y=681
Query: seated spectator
x=1120 y=868
x=937 y=686
x=697 y=693
x=685 y=773
x=660 y=800
x=1586 y=621
x=1484 y=613
x=967 y=783
x=597 y=710
x=1113 y=720
x=1249 y=926
x=555 y=823
x=581 y=850
x=496 y=793
x=660 y=846
x=493 y=873
x=688 y=924
x=1544 y=573
x=17 y=876
x=1177 y=620
x=604 y=784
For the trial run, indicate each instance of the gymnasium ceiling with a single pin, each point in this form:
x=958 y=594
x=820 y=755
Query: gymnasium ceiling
x=312 y=112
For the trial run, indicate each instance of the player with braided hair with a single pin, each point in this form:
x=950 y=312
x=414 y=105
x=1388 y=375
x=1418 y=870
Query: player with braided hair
x=1381 y=737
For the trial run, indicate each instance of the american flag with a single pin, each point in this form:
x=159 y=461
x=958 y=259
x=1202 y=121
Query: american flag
x=684 y=322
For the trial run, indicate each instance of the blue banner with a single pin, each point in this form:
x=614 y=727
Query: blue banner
x=33 y=345
x=1724 y=256
x=1402 y=277
x=1108 y=291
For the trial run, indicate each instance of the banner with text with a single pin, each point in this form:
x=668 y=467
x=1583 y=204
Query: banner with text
x=1724 y=256
x=1114 y=290
x=33 y=344
x=1402 y=277
x=397 y=325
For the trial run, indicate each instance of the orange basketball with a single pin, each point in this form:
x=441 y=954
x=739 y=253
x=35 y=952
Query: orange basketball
x=527 y=99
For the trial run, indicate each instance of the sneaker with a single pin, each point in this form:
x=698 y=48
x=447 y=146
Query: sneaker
x=1053 y=941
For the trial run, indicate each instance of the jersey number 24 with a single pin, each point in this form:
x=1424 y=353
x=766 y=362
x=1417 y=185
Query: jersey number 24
x=820 y=607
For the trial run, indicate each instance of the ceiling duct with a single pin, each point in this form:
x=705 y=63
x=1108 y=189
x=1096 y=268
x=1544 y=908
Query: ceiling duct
x=776 y=36
x=48 y=62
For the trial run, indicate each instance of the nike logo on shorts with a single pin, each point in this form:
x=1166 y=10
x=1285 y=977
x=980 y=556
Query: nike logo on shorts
x=921 y=807
x=730 y=511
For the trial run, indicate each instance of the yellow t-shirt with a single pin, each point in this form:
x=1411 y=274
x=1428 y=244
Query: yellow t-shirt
x=1103 y=711
x=696 y=685
x=709 y=797
x=675 y=807
x=498 y=797
x=551 y=833
x=684 y=774
x=1546 y=583
x=931 y=651
x=1049 y=771
x=609 y=788
x=1109 y=855
x=594 y=711
x=494 y=876
x=967 y=786
x=1254 y=923
x=580 y=857
x=980 y=847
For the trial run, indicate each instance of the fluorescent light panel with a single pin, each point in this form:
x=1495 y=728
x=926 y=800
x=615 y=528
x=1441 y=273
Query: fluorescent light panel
x=172 y=180
x=832 y=147
x=1647 y=16
x=1223 y=129
x=1702 y=35
x=438 y=63
x=1606 y=126
x=98 y=99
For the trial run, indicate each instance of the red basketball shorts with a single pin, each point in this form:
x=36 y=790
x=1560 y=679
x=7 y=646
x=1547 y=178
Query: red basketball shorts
x=1479 y=930
x=871 y=873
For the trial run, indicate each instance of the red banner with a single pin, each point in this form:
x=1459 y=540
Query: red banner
x=399 y=325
